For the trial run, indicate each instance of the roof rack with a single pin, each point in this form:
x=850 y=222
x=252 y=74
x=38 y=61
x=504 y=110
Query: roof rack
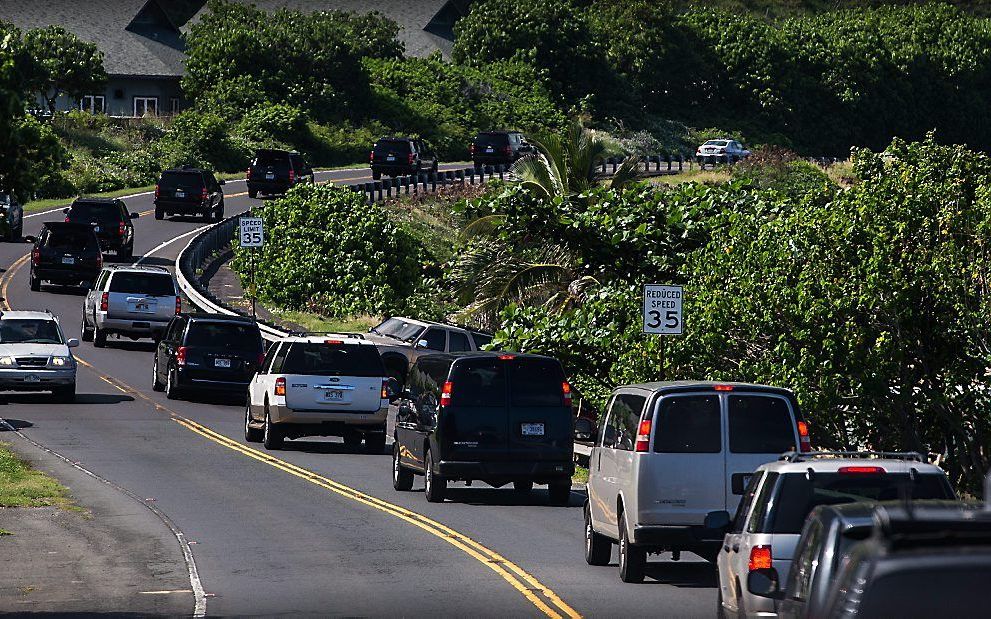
x=795 y=456
x=355 y=335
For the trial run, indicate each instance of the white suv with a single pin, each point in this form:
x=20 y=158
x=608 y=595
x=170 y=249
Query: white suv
x=35 y=356
x=668 y=455
x=319 y=385
x=761 y=544
x=723 y=150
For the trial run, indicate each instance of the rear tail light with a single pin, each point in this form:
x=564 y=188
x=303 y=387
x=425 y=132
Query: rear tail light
x=445 y=393
x=566 y=393
x=385 y=388
x=204 y=196
x=471 y=149
x=410 y=158
x=180 y=355
x=333 y=342
x=804 y=443
x=507 y=357
x=861 y=470
x=280 y=386
x=760 y=558
x=371 y=157
x=66 y=219
x=723 y=387
x=292 y=176
x=121 y=228
x=508 y=150
x=158 y=190
x=248 y=176
x=643 y=436
x=36 y=256
x=178 y=306
x=104 y=301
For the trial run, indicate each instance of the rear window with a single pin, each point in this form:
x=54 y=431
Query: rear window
x=481 y=340
x=318 y=359
x=760 y=425
x=87 y=211
x=913 y=593
x=384 y=147
x=536 y=382
x=154 y=284
x=180 y=180
x=492 y=139
x=65 y=240
x=688 y=424
x=279 y=161
x=224 y=335
x=797 y=495
x=479 y=383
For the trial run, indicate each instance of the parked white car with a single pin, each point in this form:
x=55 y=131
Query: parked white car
x=723 y=150
x=131 y=301
x=319 y=385
x=668 y=455
x=761 y=545
x=35 y=356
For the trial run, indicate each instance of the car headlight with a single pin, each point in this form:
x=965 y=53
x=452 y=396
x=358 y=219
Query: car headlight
x=7 y=361
x=60 y=361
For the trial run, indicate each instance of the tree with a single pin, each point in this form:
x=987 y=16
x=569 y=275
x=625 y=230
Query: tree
x=63 y=65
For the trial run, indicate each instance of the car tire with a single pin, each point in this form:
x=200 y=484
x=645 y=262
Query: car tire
x=35 y=283
x=126 y=252
x=253 y=193
x=632 y=558
x=99 y=337
x=522 y=488
x=85 y=333
x=375 y=443
x=159 y=213
x=271 y=434
x=436 y=486
x=220 y=211
x=402 y=477
x=252 y=435
x=598 y=548
x=478 y=168
x=172 y=391
x=560 y=492
x=720 y=611
x=376 y=176
x=434 y=168
x=65 y=395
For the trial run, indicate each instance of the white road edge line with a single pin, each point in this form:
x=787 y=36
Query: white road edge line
x=199 y=610
x=165 y=244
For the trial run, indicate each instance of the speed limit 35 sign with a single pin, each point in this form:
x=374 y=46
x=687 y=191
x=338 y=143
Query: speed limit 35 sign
x=251 y=232
x=662 y=309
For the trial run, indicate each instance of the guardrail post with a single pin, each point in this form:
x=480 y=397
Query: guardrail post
x=370 y=192
x=615 y=165
x=681 y=162
x=501 y=169
x=471 y=175
x=433 y=181
x=378 y=188
x=459 y=176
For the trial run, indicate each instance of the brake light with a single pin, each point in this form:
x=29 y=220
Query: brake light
x=445 y=393
x=861 y=470
x=643 y=436
x=385 y=388
x=566 y=393
x=280 y=386
x=121 y=228
x=292 y=176
x=410 y=158
x=723 y=387
x=178 y=306
x=507 y=357
x=36 y=256
x=334 y=342
x=204 y=196
x=804 y=443
x=249 y=173
x=371 y=156
x=66 y=219
x=158 y=190
x=104 y=301
x=180 y=355
x=471 y=148
x=760 y=558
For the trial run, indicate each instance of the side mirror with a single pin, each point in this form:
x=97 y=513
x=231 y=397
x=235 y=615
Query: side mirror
x=134 y=215
x=30 y=239
x=422 y=344
x=392 y=390
x=72 y=342
x=221 y=182
x=717 y=521
x=584 y=429
x=66 y=211
x=764 y=583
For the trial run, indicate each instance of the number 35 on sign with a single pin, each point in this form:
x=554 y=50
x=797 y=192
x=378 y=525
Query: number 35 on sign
x=662 y=309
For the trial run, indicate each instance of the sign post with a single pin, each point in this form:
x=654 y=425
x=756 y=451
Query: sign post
x=251 y=231
x=662 y=313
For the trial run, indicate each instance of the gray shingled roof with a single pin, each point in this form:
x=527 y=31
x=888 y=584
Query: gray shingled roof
x=152 y=53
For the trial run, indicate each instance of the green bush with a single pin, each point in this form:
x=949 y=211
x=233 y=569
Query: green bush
x=202 y=140
x=269 y=123
x=341 y=144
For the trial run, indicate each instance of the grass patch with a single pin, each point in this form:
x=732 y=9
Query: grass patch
x=715 y=176
x=580 y=476
x=22 y=486
x=317 y=323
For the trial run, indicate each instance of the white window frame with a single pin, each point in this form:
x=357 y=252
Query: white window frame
x=91 y=106
x=173 y=105
x=145 y=101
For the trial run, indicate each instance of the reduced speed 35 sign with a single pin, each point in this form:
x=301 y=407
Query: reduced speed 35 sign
x=251 y=232
x=662 y=309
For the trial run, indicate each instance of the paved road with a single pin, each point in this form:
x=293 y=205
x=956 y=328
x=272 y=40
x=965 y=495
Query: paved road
x=316 y=529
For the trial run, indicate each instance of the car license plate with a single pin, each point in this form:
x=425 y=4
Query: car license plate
x=270 y=176
x=533 y=429
x=390 y=158
x=180 y=194
x=68 y=260
x=96 y=228
x=32 y=378
x=222 y=363
x=489 y=149
x=333 y=395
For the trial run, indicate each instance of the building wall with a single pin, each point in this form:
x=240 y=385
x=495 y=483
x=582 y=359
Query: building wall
x=120 y=92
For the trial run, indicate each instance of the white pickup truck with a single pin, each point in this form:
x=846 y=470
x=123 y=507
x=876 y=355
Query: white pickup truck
x=131 y=301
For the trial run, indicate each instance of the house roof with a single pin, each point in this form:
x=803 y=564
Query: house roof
x=137 y=37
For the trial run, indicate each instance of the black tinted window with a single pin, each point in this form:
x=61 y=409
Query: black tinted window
x=397 y=147
x=760 y=425
x=154 y=284
x=88 y=211
x=797 y=495
x=224 y=335
x=436 y=339
x=479 y=382
x=688 y=424
x=278 y=161
x=280 y=358
x=429 y=375
x=492 y=139
x=181 y=180
x=757 y=515
x=536 y=382
x=69 y=239
x=743 y=508
x=459 y=342
x=333 y=360
x=481 y=340
x=627 y=410
x=946 y=591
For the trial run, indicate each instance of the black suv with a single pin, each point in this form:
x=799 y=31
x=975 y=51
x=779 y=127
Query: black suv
x=11 y=217
x=495 y=418
x=207 y=352
x=401 y=157
x=189 y=191
x=66 y=254
x=498 y=148
x=274 y=171
x=110 y=221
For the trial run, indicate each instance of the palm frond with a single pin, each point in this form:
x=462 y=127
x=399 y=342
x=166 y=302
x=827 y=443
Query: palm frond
x=536 y=173
x=627 y=172
x=483 y=226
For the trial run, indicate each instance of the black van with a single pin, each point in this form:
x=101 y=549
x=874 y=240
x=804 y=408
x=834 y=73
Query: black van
x=274 y=172
x=494 y=418
x=189 y=191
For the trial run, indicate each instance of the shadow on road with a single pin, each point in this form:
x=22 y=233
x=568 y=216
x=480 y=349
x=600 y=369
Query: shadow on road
x=157 y=261
x=81 y=398
x=694 y=574
x=74 y=291
x=139 y=346
x=507 y=497
x=189 y=219
x=326 y=447
x=17 y=424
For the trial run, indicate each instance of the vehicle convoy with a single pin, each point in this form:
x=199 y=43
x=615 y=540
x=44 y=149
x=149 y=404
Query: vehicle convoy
x=669 y=454
x=723 y=150
x=11 y=217
x=401 y=157
x=207 y=352
x=131 y=301
x=274 y=172
x=498 y=148
x=109 y=219
x=189 y=191
x=402 y=340
x=494 y=418
x=67 y=254
x=35 y=355
x=779 y=497
x=319 y=385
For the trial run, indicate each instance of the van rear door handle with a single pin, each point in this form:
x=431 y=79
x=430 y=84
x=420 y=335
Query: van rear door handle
x=736 y=548
x=726 y=547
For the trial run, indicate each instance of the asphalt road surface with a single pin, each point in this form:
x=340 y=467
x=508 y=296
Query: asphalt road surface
x=316 y=528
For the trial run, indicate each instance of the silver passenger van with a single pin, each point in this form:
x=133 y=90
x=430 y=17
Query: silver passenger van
x=669 y=454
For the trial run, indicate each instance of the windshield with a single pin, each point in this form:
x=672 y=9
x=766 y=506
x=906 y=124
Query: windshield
x=89 y=211
x=29 y=331
x=716 y=143
x=399 y=329
x=153 y=284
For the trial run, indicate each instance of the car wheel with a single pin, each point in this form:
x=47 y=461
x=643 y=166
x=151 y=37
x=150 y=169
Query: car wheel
x=159 y=213
x=172 y=385
x=272 y=434
x=84 y=331
x=66 y=394
x=220 y=212
x=156 y=385
x=376 y=176
x=436 y=486
x=375 y=443
x=252 y=435
x=99 y=337
x=522 y=487
x=252 y=193
x=720 y=611
x=402 y=477
x=126 y=252
x=352 y=440
x=434 y=168
x=598 y=548
x=560 y=492
x=632 y=558
x=35 y=283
